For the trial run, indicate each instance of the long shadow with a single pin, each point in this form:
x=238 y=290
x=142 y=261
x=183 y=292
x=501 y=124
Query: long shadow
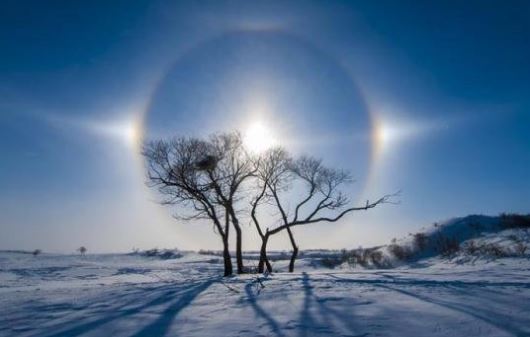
x=305 y=314
x=167 y=295
x=116 y=298
x=500 y=297
x=405 y=281
x=460 y=286
x=261 y=312
x=468 y=310
x=160 y=326
x=329 y=314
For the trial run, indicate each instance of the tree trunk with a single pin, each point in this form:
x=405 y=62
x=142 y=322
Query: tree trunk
x=293 y=258
x=295 y=250
x=263 y=259
x=231 y=214
x=227 y=258
x=239 y=252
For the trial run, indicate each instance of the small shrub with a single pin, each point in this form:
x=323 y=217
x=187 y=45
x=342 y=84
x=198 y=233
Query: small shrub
x=352 y=257
x=446 y=246
x=331 y=262
x=363 y=257
x=494 y=250
x=378 y=259
x=161 y=254
x=151 y=252
x=420 y=241
x=207 y=252
x=471 y=247
x=169 y=255
x=356 y=257
x=401 y=253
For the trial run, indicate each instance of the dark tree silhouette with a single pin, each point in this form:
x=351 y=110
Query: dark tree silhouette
x=207 y=178
x=82 y=250
x=234 y=165
x=204 y=176
x=272 y=171
x=321 y=199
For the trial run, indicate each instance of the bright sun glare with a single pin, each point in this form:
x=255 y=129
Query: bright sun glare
x=258 y=137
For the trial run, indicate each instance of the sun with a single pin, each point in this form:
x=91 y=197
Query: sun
x=258 y=137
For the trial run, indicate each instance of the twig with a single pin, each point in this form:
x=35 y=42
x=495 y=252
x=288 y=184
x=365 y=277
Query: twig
x=230 y=288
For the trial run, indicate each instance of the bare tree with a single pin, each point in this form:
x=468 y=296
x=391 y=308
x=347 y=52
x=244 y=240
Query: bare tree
x=272 y=171
x=205 y=177
x=233 y=167
x=82 y=250
x=321 y=197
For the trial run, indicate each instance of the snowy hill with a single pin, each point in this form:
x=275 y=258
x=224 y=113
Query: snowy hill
x=462 y=240
x=477 y=236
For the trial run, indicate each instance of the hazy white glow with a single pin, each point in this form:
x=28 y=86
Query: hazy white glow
x=258 y=137
x=127 y=131
x=387 y=134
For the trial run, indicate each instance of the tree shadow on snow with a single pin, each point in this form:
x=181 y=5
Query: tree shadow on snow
x=161 y=325
x=179 y=297
x=480 y=313
x=390 y=279
x=260 y=312
x=470 y=307
x=316 y=317
x=309 y=322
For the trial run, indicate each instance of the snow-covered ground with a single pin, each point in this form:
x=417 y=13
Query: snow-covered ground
x=131 y=295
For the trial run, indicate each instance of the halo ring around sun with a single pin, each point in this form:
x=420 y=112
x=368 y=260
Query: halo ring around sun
x=217 y=42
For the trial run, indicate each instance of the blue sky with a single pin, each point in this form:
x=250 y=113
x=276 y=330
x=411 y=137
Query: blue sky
x=427 y=97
